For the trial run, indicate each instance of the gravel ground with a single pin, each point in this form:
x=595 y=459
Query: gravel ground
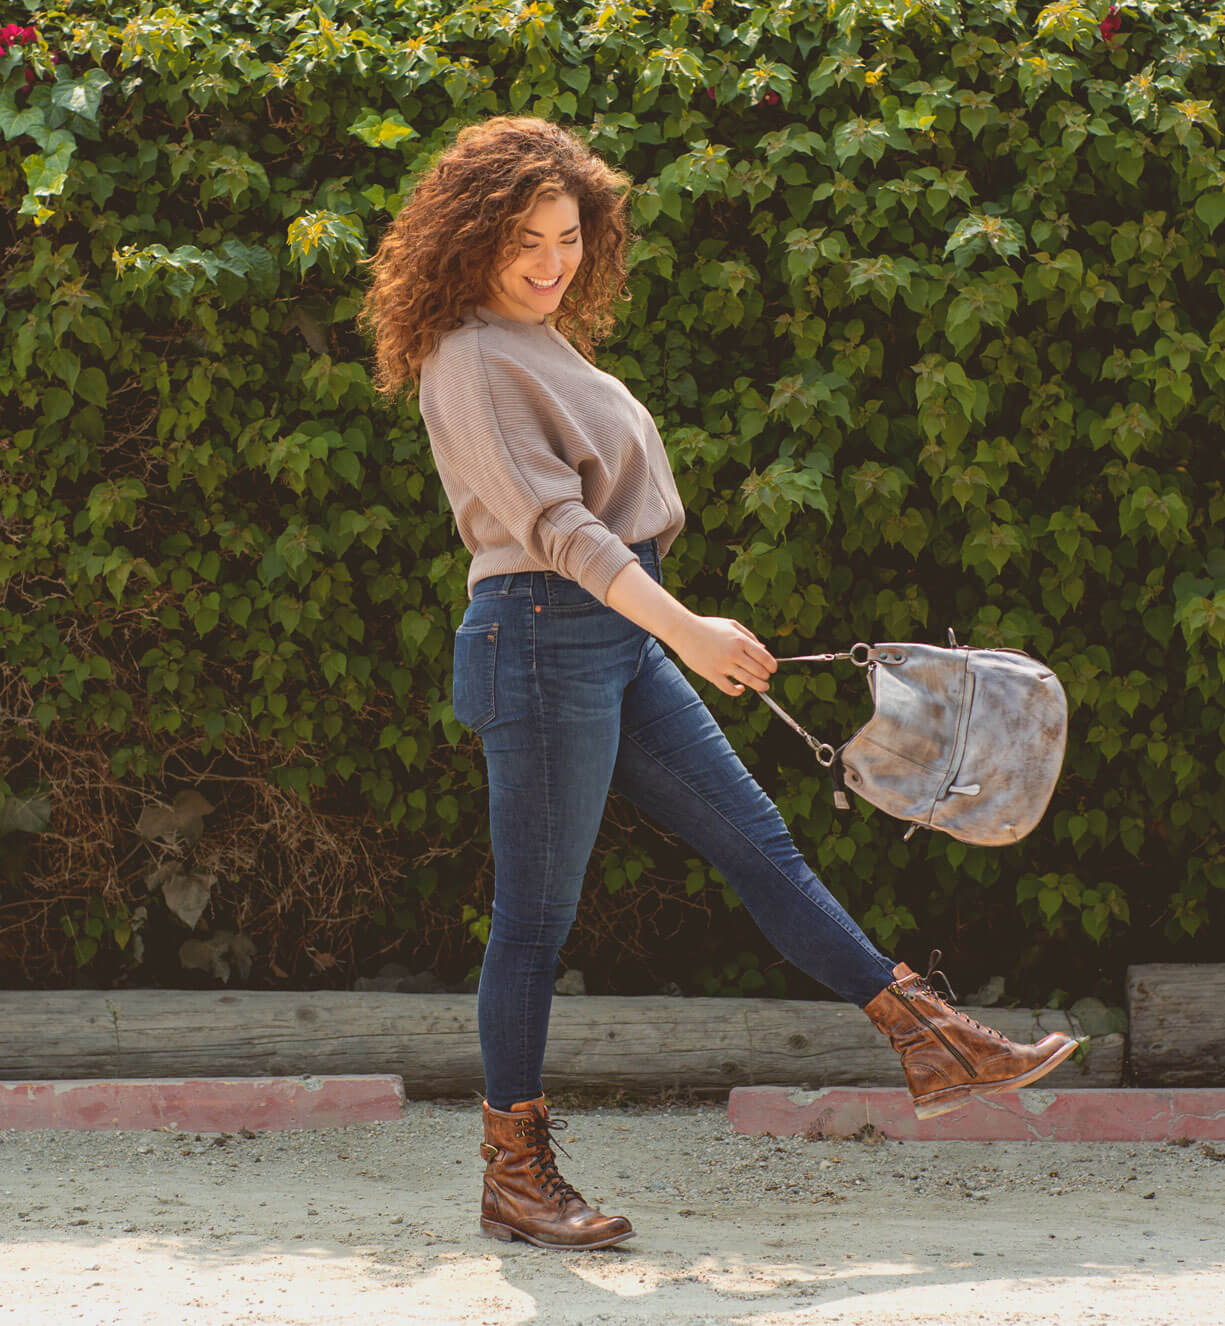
x=380 y=1221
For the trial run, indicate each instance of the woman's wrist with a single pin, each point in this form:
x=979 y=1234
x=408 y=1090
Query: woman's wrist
x=640 y=597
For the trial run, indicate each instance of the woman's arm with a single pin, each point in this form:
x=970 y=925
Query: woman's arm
x=718 y=648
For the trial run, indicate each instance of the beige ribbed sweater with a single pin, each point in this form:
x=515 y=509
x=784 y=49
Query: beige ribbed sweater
x=549 y=464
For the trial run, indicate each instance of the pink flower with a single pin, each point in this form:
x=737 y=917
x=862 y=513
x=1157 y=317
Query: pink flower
x=13 y=34
x=1110 y=25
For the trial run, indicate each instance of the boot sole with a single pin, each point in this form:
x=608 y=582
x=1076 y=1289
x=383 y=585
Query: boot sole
x=942 y=1102
x=491 y=1229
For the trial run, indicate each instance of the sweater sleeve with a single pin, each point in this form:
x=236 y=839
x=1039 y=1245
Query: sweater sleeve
x=486 y=435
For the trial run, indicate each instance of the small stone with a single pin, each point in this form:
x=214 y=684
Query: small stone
x=422 y=982
x=1099 y=1019
x=988 y=995
x=570 y=983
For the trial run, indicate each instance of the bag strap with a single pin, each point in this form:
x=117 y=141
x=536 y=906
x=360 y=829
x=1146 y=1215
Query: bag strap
x=827 y=756
x=859 y=654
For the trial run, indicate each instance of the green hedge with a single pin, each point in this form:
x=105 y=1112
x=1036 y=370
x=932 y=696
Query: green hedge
x=927 y=303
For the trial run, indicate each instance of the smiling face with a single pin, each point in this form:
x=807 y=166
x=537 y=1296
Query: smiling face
x=531 y=285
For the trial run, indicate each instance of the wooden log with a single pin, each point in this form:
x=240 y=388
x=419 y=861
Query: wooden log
x=1177 y=1015
x=634 y=1043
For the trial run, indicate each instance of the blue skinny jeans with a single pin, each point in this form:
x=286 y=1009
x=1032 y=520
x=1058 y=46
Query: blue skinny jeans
x=569 y=699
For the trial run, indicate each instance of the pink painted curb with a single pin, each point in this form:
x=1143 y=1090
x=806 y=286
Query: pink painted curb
x=1146 y=1114
x=202 y=1104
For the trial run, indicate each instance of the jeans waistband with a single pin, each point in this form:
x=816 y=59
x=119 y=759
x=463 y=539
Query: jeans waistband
x=526 y=582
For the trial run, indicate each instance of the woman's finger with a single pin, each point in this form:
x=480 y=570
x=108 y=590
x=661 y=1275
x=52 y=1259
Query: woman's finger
x=761 y=658
x=746 y=673
x=764 y=656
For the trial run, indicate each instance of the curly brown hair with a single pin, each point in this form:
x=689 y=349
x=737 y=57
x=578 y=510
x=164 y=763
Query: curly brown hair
x=464 y=221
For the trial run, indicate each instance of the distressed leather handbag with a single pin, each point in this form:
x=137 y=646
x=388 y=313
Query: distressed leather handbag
x=967 y=741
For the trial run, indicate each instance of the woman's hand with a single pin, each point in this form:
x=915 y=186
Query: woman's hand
x=727 y=654
x=717 y=648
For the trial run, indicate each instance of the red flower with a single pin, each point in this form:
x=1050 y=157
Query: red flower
x=1110 y=25
x=771 y=98
x=13 y=34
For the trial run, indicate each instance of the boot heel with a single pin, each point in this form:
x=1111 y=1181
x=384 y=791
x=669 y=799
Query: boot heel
x=491 y=1231
x=522 y=1184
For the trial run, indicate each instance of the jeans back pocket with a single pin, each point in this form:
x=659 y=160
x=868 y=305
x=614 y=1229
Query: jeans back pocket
x=472 y=675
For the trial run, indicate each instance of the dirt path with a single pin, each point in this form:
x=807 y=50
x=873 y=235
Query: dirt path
x=377 y=1223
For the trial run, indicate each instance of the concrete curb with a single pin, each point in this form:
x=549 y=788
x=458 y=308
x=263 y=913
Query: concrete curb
x=202 y=1104
x=1145 y=1114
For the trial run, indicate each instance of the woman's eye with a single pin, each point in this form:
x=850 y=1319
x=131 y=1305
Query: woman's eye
x=564 y=241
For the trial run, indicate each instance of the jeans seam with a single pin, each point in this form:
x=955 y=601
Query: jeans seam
x=524 y=1023
x=816 y=902
x=642 y=652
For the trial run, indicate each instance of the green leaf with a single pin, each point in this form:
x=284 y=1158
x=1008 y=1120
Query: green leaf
x=348 y=466
x=91 y=386
x=377 y=130
x=1210 y=209
x=28 y=814
x=84 y=97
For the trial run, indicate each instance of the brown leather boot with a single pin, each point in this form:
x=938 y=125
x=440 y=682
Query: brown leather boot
x=948 y=1057
x=525 y=1197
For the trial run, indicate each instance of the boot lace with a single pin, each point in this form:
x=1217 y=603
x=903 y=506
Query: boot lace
x=932 y=970
x=925 y=986
x=539 y=1128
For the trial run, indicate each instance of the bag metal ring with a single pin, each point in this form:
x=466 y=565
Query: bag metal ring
x=861 y=660
x=825 y=754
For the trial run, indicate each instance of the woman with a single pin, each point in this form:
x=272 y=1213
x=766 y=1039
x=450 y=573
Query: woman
x=562 y=491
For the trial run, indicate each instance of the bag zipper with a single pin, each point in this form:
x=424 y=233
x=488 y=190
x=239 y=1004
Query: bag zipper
x=931 y=1026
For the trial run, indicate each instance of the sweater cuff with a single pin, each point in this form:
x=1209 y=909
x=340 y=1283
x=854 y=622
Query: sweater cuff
x=603 y=567
x=587 y=551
